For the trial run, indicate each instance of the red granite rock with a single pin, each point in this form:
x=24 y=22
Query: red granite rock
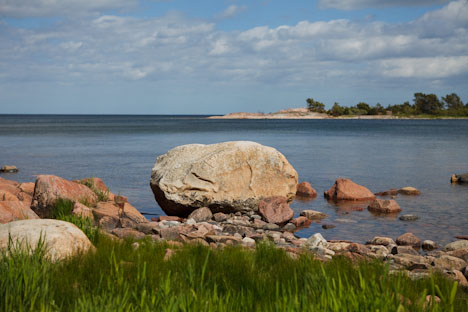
x=345 y=189
x=275 y=210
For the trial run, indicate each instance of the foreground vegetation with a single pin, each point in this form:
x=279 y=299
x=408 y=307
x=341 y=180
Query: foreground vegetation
x=118 y=277
x=425 y=105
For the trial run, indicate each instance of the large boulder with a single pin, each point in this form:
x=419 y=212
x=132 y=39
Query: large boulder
x=62 y=239
x=347 y=190
x=49 y=188
x=224 y=177
x=15 y=210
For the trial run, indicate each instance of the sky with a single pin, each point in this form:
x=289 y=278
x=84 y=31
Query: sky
x=221 y=56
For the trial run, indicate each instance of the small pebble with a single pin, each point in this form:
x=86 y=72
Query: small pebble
x=328 y=226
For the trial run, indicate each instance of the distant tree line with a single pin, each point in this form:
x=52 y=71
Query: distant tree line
x=423 y=104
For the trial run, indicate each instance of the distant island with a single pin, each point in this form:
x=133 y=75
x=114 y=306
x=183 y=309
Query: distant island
x=426 y=106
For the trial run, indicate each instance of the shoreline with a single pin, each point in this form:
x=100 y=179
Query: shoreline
x=304 y=113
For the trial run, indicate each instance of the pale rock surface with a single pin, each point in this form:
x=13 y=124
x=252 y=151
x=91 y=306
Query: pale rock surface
x=313 y=215
x=62 y=239
x=201 y=214
x=225 y=177
x=460 y=244
x=409 y=190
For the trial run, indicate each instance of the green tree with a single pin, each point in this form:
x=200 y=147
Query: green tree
x=364 y=107
x=336 y=110
x=315 y=106
x=427 y=104
x=453 y=102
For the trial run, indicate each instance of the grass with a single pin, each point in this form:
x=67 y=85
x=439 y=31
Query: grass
x=119 y=278
x=101 y=195
x=62 y=210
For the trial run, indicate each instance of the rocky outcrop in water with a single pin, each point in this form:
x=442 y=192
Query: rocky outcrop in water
x=460 y=178
x=224 y=177
x=347 y=190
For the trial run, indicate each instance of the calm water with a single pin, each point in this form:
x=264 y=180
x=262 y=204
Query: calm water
x=379 y=154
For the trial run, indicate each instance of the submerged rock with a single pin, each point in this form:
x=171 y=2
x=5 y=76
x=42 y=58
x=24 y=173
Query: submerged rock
x=409 y=217
x=225 y=177
x=347 y=190
x=409 y=190
x=384 y=206
x=313 y=214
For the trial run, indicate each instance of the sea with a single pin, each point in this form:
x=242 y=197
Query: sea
x=379 y=154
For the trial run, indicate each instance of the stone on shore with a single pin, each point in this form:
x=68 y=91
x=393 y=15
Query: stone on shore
x=409 y=190
x=201 y=214
x=347 y=190
x=313 y=215
x=225 y=177
x=275 y=210
x=9 y=169
x=83 y=211
x=409 y=239
x=15 y=210
x=384 y=206
x=449 y=263
x=382 y=240
x=460 y=244
x=305 y=190
x=429 y=245
x=49 y=188
x=110 y=215
x=62 y=239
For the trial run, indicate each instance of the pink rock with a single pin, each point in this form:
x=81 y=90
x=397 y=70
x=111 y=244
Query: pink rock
x=384 y=206
x=15 y=210
x=304 y=189
x=301 y=222
x=49 y=188
x=168 y=218
x=390 y=192
x=275 y=210
x=96 y=182
x=81 y=210
x=110 y=209
x=345 y=189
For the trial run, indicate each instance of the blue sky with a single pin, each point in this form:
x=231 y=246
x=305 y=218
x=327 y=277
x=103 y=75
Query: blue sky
x=213 y=57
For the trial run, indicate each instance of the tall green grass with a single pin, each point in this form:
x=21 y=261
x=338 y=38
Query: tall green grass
x=62 y=210
x=119 y=278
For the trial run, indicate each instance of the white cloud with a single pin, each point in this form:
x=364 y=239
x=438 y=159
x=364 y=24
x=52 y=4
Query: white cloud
x=231 y=11
x=174 y=48
x=428 y=68
x=39 y=8
x=360 y=4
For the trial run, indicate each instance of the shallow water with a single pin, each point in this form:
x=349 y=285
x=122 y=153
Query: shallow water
x=380 y=154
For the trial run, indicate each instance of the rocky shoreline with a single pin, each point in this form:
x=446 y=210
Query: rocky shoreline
x=304 y=113
x=252 y=207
